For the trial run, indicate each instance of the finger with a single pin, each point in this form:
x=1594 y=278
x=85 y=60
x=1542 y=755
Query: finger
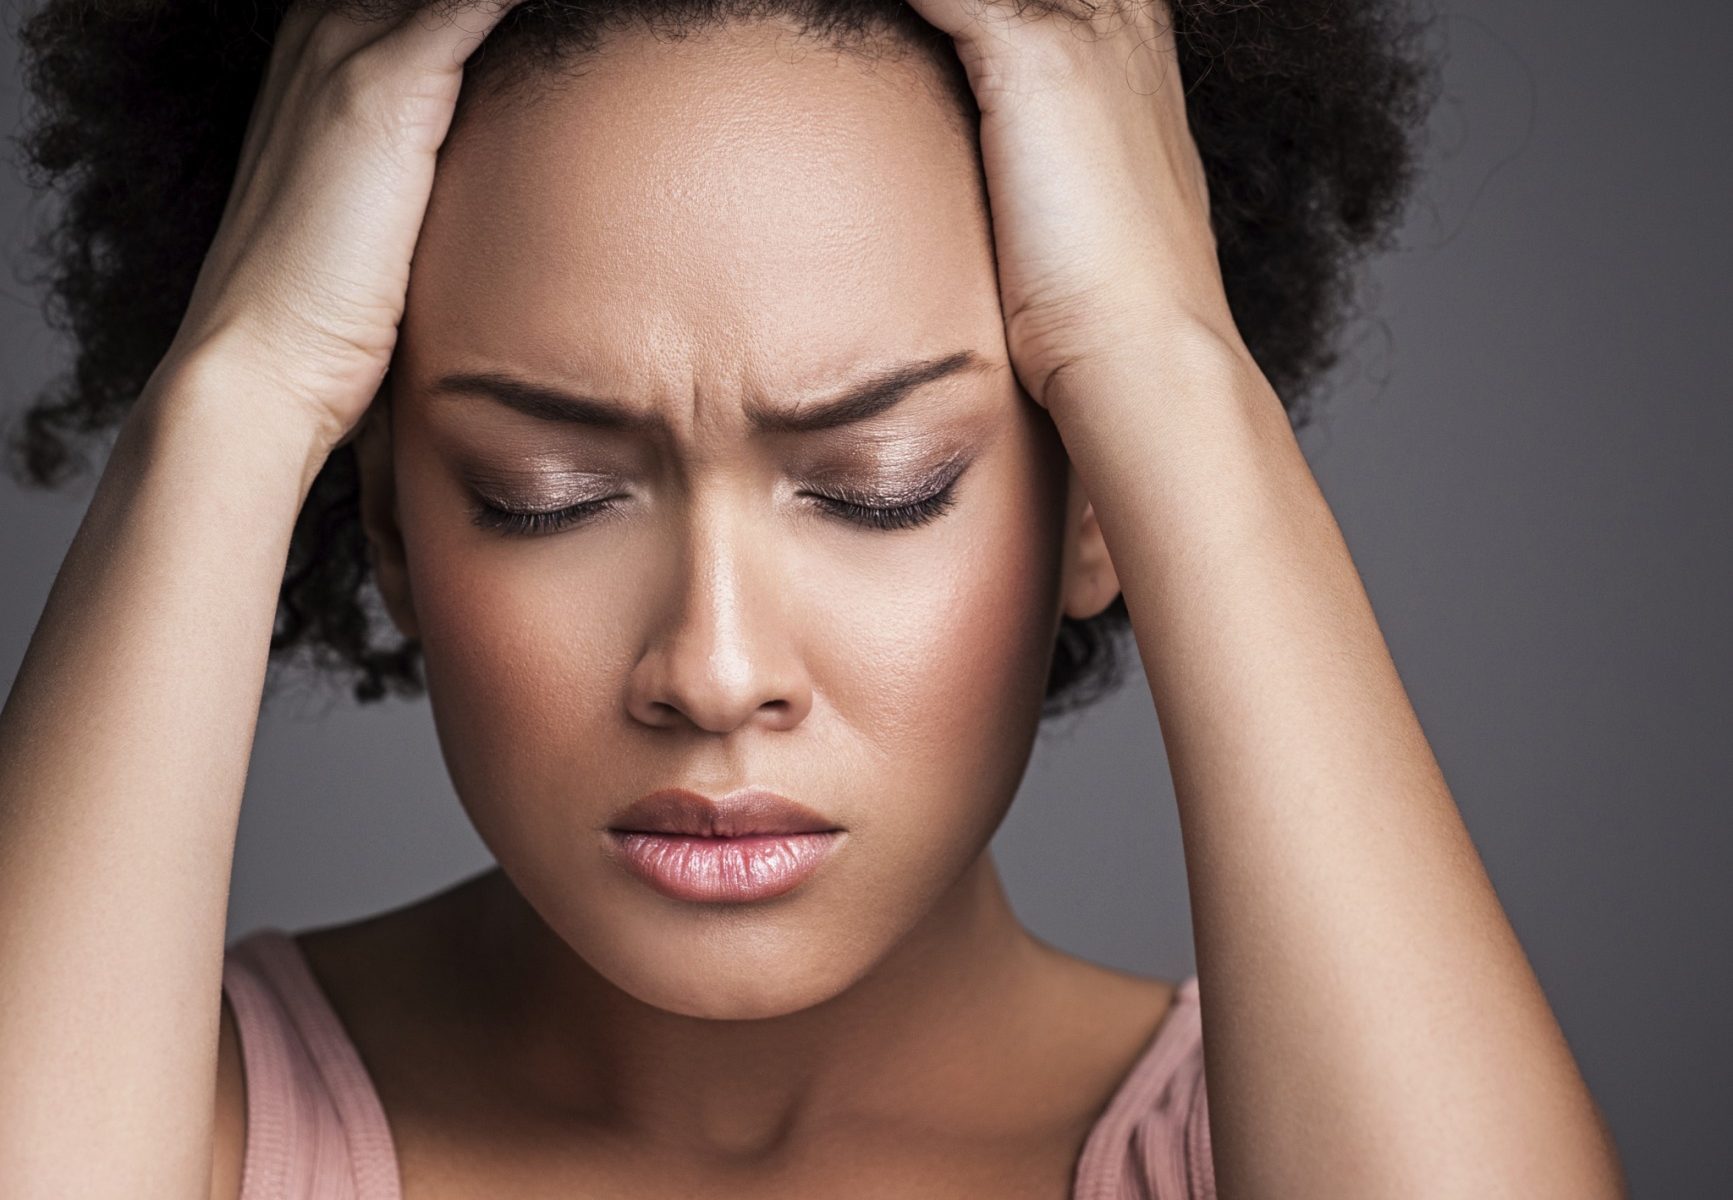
x=312 y=38
x=309 y=38
x=444 y=40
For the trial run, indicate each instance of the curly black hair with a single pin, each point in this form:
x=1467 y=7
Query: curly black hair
x=1308 y=115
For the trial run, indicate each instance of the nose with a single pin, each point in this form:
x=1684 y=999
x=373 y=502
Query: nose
x=721 y=650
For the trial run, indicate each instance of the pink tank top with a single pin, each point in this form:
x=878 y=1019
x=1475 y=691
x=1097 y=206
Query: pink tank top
x=316 y=1129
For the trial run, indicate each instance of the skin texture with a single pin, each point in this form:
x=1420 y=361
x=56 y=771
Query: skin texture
x=764 y=226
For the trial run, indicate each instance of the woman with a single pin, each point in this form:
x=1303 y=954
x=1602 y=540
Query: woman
x=764 y=429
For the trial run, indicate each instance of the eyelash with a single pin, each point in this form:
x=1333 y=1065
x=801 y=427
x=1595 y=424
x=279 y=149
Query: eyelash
x=870 y=516
x=897 y=516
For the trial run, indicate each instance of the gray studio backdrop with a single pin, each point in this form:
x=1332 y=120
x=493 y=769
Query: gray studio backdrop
x=1530 y=451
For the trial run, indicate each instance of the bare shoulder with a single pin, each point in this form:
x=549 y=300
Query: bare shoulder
x=1095 y=1022
x=378 y=970
x=362 y=967
x=1135 y=1005
x=231 y=1129
x=1113 y=996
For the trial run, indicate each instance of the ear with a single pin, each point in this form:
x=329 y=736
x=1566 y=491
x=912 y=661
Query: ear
x=1090 y=582
x=373 y=443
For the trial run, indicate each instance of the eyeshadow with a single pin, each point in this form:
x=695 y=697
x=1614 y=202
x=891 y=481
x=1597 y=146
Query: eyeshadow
x=535 y=487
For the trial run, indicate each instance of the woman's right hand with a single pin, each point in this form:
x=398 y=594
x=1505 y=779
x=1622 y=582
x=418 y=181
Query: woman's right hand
x=303 y=287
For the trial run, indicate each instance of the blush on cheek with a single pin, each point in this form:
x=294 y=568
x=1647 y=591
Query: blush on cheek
x=517 y=661
x=997 y=646
x=951 y=662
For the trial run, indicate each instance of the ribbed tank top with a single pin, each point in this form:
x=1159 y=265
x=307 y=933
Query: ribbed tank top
x=317 y=1131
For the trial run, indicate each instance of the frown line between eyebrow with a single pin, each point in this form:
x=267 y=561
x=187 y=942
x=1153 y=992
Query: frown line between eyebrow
x=859 y=402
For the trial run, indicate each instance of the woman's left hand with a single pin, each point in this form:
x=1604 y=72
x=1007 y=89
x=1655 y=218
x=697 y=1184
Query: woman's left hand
x=1099 y=202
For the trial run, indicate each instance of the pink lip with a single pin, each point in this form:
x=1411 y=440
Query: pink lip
x=751 y=844
x=724 y=869
x=740 y=813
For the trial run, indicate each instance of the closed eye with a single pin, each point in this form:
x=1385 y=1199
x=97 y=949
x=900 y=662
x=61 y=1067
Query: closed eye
x=858 y=508
x=892 y=516
x=529 y=522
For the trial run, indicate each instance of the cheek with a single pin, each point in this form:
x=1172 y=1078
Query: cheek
x=943 y=664
x=524 y=642
x=936 y=658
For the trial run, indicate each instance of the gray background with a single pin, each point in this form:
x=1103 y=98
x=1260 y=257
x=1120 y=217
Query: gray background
x=1528 y=451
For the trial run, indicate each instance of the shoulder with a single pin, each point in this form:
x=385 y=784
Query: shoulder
x=1118 y=1011
x=1110 y=1022
x=296 y=1112
x=320 y=1010
x=1149 y=1133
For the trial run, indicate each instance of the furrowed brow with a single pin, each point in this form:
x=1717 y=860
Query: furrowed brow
x=863 y=401
x=859 y=402
x=546 y=403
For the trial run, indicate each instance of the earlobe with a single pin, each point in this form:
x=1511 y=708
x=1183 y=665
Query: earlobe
x=1091 y=583
x=378 y=503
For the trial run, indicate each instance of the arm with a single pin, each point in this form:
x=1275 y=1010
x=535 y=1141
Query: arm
x=1372 y=1026
x=125 y=740
x=123 y=752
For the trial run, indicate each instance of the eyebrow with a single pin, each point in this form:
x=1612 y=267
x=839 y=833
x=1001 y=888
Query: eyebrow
x=858 y=402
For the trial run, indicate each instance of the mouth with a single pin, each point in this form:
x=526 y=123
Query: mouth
x=749 y=845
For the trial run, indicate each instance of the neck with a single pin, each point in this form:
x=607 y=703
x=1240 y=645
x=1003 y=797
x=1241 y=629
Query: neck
x=946 y=999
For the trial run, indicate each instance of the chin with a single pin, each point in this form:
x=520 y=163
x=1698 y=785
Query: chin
x=720 y=971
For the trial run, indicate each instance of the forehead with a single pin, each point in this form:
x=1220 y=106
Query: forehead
x=738 y=208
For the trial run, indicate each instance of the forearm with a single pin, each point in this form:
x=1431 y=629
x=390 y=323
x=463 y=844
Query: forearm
x=1372 y=1026
x=123 y=754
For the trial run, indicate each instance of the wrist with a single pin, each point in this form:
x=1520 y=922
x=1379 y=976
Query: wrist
x=1172 y=365
x=210 y=398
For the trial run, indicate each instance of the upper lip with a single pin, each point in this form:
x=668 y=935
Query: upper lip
x=740 y=813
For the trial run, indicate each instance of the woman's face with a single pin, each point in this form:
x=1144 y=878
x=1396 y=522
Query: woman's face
x=694 y=232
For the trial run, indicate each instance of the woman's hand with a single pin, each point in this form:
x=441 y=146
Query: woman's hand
x=305 y=280
x=1099 y=203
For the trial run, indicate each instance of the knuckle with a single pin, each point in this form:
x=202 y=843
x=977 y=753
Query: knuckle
x=378 y=60
x=329 y=41
x=372 y=84
x=352 y=90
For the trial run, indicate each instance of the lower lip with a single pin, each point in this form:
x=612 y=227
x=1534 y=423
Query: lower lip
x=724 y=870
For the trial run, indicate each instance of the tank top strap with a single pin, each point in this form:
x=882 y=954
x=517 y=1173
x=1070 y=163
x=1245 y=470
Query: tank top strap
x=315 y=1126
x=1151 y=1141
